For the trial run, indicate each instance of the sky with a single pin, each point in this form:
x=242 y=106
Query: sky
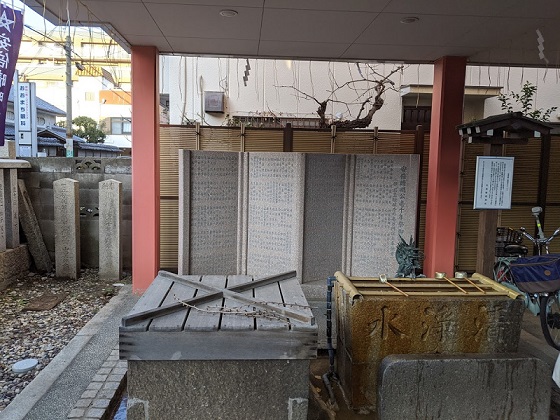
x=30 y=18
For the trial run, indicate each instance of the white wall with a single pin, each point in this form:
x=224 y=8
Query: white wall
x=184 y=78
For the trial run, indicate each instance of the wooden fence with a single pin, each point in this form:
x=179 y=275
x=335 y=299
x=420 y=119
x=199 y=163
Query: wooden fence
x=530 y=185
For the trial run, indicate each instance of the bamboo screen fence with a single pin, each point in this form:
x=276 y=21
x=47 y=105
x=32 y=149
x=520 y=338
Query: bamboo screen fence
x=528 y=165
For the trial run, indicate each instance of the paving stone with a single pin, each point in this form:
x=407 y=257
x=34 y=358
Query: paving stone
x=99 y=378
x=101 y=403
x=76 y=413
x=109 y=363
x=114 y=378
x=89 y=393
x=104 y=371
x=106 y=393
x=119 y=371
x=111 y=385
x=84 y=402
x=96 y=412
x=95 y=385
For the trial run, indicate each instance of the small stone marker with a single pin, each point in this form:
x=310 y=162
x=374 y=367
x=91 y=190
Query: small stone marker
x=25 y=365
x=110 y=215
x=67 y=228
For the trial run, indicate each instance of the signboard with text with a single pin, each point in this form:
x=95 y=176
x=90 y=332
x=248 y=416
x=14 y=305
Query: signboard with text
x=23 y=106
x=493 y=183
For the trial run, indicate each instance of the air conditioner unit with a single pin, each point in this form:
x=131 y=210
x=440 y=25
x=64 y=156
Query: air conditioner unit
x=214 y=102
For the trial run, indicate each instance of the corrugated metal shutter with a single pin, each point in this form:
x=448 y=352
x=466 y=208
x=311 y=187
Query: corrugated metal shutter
x=168 y=234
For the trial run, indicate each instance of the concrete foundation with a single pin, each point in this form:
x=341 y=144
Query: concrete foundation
x=466 y=386
x=231 y=389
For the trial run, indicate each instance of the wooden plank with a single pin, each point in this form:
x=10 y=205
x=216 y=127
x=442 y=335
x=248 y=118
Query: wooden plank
x=267 y=295
x=174 y=321
x=152 y=298
x=198 y=320
x=293 y=294
x=240 y=298
x=412 y=287
x=201 y=297
x=237 y=322
x=218 y=345
x=434 y=294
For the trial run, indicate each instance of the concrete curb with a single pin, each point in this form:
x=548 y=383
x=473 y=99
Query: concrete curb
x=32 y=393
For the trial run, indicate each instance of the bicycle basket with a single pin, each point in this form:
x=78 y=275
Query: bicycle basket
x=506 y=236
x=537 y=274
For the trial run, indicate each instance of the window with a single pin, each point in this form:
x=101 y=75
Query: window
x=10 y=115
x=121 y=126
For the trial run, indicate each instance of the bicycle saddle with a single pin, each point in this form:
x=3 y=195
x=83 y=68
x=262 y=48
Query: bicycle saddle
x=514 y=249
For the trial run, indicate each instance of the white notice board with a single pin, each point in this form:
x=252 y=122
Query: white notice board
x=493 y=182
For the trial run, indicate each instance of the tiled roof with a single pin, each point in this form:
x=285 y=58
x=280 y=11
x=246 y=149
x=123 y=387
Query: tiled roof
x=58 y=132
x=98 y=146
x=49 y=141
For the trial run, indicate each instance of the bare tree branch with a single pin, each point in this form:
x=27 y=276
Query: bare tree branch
x=371 y=97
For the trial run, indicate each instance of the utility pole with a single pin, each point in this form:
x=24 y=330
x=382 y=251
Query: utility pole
x=69 y=135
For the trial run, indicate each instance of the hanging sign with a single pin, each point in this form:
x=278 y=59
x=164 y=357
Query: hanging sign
x=11 y=30
x=493 y=183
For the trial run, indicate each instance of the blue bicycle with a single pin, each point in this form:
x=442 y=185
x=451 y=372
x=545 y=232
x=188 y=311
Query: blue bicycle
x=536 y=277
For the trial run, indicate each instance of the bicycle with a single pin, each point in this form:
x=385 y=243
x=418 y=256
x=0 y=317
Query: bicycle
x=537 y=278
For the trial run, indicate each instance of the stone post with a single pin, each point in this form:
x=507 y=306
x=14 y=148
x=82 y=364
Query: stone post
x=110 y=221
x=67 y=227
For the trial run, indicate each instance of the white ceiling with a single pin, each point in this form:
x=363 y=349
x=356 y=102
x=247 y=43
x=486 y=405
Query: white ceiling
x=500 y=32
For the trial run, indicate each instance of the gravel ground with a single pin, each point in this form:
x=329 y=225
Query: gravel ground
x=42 y=334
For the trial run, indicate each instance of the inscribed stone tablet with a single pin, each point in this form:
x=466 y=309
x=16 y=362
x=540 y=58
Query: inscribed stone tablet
x=275 y=219
x=213 y=212
x=385 y=201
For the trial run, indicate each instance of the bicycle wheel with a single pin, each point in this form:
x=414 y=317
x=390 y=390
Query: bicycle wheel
x=502 y=272
x=550 y=319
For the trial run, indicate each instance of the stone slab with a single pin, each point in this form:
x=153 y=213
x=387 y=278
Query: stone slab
x=110 y=226
x=208 y=212
x=382 y=205
x=466 y=386
x=33 y=234
x=323 y=215
x=67 y=228
x=275 y=213
x=209 y=390
x=14 y=264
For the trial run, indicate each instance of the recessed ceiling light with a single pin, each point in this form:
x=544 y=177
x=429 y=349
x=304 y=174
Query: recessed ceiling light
x=410 y=19
x=228 y=13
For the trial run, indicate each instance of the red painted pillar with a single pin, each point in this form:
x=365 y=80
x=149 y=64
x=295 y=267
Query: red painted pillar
x=444 y=165
x=145 y=166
